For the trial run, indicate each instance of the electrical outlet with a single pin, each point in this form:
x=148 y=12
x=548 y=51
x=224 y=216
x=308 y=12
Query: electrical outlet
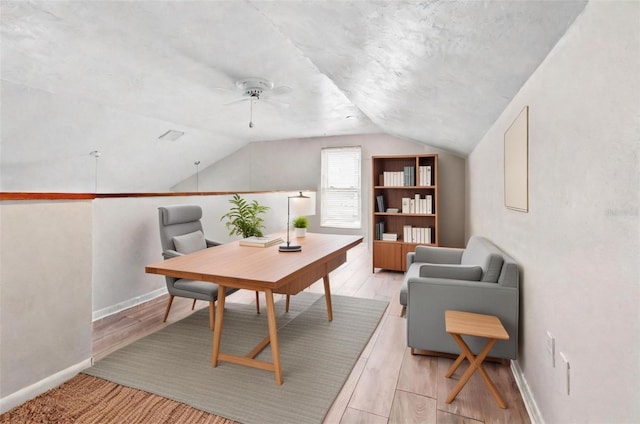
x=567 y=368
x=551 y=349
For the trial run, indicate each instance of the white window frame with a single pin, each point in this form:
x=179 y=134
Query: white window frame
x=341 y=196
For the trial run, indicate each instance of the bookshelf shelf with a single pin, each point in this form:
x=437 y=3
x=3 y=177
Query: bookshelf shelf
x=408 y=215
x=408 y=184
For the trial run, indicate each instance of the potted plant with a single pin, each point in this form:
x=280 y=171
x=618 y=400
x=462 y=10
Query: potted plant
x=244 y=218
x=301 y=224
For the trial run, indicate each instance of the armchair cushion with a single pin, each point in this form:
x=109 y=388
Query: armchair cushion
x=453 y=272
x=189 y=243
x=481 y=252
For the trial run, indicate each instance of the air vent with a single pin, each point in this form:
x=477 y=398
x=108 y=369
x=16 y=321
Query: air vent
x=171 y=135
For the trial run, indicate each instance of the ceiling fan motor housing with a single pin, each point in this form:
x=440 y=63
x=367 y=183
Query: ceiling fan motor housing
x=254 y=87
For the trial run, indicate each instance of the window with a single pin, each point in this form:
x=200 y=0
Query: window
x=341 y=200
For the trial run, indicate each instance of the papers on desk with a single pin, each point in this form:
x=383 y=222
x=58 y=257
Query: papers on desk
x=261 y=241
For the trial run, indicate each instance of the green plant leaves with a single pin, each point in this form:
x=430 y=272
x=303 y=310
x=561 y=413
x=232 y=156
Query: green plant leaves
x=301 y=222
x=244 y=218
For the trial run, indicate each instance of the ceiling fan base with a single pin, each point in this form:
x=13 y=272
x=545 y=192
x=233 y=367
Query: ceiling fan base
x=254 y=87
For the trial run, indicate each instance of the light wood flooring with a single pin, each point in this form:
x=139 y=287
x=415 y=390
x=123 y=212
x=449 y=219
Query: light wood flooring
x=388 y=385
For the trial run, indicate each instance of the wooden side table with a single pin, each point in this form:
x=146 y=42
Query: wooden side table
x=459 y=323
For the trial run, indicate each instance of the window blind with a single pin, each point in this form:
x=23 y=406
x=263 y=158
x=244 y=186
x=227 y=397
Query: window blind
x=340 y=205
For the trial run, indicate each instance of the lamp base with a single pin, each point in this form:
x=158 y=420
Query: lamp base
x=290 y=248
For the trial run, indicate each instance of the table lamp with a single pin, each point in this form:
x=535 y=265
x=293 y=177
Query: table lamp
x=301 y=205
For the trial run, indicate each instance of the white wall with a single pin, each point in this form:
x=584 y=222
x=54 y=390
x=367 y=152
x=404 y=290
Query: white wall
x=579 y=243
x=45 y=294
x=287 y=164
x=126 y=239
x=55 y=254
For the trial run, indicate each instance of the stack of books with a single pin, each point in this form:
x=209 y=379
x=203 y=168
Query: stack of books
x=418 y=205
x=390 y=236
x=261 y=241
x=405 y=178
x=409 y=176
x=417 y=234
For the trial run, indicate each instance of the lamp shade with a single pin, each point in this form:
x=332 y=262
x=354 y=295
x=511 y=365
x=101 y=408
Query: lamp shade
x=303 y=206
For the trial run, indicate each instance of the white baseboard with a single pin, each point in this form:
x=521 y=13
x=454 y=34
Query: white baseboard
x=110 y=310
x=527 y=396
x=29 y=392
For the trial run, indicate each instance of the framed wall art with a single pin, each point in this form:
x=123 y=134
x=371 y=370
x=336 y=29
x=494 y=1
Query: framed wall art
x=516 y=163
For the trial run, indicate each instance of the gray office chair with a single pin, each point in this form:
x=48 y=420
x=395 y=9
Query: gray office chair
x=180 y=234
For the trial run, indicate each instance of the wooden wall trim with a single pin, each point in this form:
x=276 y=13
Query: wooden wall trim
x=91 y=196
x=46 y=196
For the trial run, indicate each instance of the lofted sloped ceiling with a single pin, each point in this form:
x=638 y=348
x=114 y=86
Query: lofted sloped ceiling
x=112 y=76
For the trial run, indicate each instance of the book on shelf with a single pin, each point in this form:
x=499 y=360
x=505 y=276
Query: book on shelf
x=425 y=175
x=392 y=210
x=406 y=234
x=255 y=241
x=379 y=230
x=380 y=202
x=406 y=205
x=409 y=176
x=390 y=236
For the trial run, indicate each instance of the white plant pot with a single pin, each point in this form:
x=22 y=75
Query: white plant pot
x=301 y=232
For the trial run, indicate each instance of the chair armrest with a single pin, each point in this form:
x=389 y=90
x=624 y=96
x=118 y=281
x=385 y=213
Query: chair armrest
x=438 y=255
x=410 y=259
x=211 y=243
x=168 y=254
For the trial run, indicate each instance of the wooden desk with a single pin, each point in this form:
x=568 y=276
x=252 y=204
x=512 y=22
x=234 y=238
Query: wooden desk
x=466 y=323
x=261 y=269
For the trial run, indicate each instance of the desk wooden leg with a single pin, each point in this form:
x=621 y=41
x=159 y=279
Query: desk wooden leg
x=212 y=315
x=475 y=364
x=327 y=296
x=273 y=335
x=217 y=332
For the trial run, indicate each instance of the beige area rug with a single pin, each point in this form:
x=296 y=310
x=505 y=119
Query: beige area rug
x=317 y=356
x=90 y=400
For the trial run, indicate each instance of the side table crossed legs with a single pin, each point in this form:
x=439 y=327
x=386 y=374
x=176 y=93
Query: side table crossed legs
x=460 y=323
x=475 y=364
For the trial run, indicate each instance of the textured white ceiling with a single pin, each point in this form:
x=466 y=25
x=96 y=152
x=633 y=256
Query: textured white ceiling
x=79 y=76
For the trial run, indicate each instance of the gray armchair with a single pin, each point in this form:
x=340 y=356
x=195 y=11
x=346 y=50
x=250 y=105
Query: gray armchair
x=180 y=234
x=480 y=278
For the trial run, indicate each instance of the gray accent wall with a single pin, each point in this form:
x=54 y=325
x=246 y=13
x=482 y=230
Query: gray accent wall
x=290 y=164
x=579 y=244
